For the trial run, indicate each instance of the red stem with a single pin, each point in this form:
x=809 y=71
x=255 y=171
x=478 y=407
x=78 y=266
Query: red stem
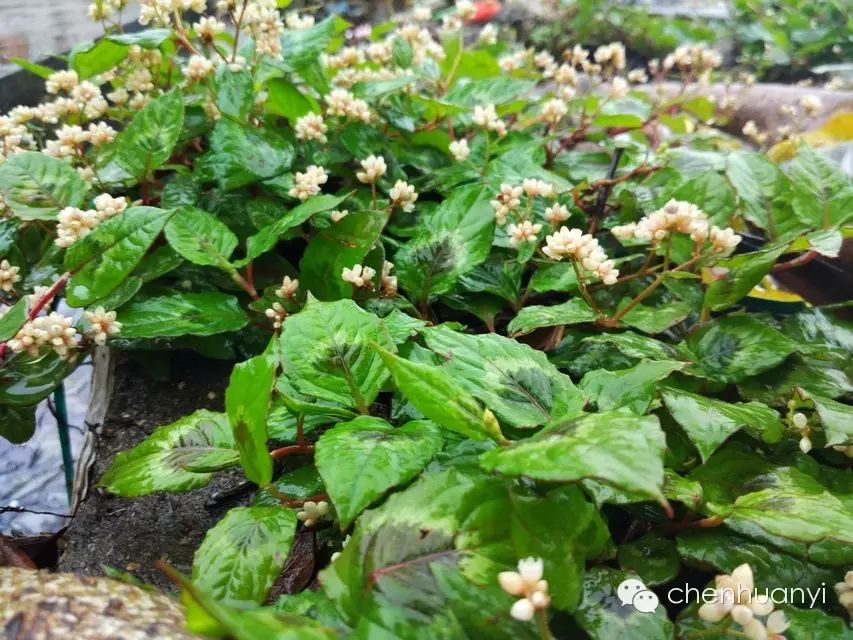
x=293 y=449
x=799 y=261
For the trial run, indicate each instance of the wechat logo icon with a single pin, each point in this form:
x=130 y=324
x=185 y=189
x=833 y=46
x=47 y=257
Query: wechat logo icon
x=634 y=593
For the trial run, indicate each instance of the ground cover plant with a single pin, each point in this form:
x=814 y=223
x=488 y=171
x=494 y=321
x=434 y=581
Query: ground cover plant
x=504 y=332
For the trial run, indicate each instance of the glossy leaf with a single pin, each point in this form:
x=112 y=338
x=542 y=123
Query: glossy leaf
x=361 y=459
x=247 y=402
x=837 y=420
x=326 y=352
x=632 y=388
x=656 y=319
x=708 y=422
x=436 y=395
x=105 y=257
x=200 y=237
x=515 y=381
x=652 y=557
x=744 y=272
x=36 y=186
x=575 y=311
x=178 y=457
x=619 y=449
x=455 y=238
x=735 y=347
x=17 y=424
x=198 y=314
x=150 y=138
x=243 y=554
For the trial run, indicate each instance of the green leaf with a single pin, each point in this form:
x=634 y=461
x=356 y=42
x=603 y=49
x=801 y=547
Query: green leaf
x=837 y=420
x=774 y=387
x=360 y=460
x=235 y=92
x=412 y=570
x=632 y=388
x=326 y=352
x=744 y=272
x=714 y=193
x=26 y=381
x=36 y=186
x=657 y=319
x=267 y=237
x=472 y=93
x=176 y=457
x=39 y=70
x=91 y=58
x=102 y=259
x=823 y=194
x=732 y=348
x=150 y=138
x=198 y=314
x=515 y=381
x=603 y=616
x=13 y=319
x=787 y=506
x=454 y=239
x=653 y=557
x=709 y=422
x=247 y=402
x=240 y=155
x=243 y=554
x=17 y=424
x=635 y=345
x=574 y=311
x=619 y=449
x=436 y=395
x=285 y=99
x=757 y=181
x=200 y=237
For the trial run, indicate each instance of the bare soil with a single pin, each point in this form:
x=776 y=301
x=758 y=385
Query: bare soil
x=130 y=534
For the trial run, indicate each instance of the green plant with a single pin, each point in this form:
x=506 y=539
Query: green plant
x=479 y=318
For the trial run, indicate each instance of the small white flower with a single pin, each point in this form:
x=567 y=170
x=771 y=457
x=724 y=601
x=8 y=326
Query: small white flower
x=388 y=282
x=108 y=207
x=307 y=184
x=102 y=323
x=312 y=512
x=337 y=554
x=554 y=110
x=556 y=213
x=403 y=195
x=8 y=275
x=277 y=313
x=460 y=149
x=360 y=276
x=197 y=68
x=296 y=22
x=289 y=287
x=311 y=127
x=522 y=232
x=488 y=35
x=805 y=444
x=527 y=582
x=208 y=27
x=811 y=104
x=799 y=420
x=373 y=168
x=60 y=81
x=338 y=215
x=523 y=610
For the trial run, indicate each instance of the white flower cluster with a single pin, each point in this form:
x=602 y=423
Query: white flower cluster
x=554 y=110
x=524 y=231
x=508 y=198
x=70 y=139
x=198 y=68
x=277 y=313
x=262 y=21
x=159 y=12
x=459 y=149
x=312 y=512
x=527 y=583
x=311 y=127
x=682 y=217
x=584 y=249
x=341 y=102
x=360 y=276
x=388 y=282
x=403 y=195
x=289 y=287
x=610 y=57
x=307 y=183
x=735 y=596
x=102 y=324
x=101 y=10
x=297 y=22
x=74 y=223
x=487 y=118
x=53 y=330
x=751 y=131
x=696 y=58
x=372 y=168
x=14 y=136
x=845 y=592
x=9 y=275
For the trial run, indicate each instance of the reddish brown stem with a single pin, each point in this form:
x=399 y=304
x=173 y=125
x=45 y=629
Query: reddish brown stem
x=799 y=261
x=292 y=450
x=40 y=304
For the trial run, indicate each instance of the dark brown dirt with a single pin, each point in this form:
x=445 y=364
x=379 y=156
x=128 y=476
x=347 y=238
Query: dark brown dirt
x=130 y=534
